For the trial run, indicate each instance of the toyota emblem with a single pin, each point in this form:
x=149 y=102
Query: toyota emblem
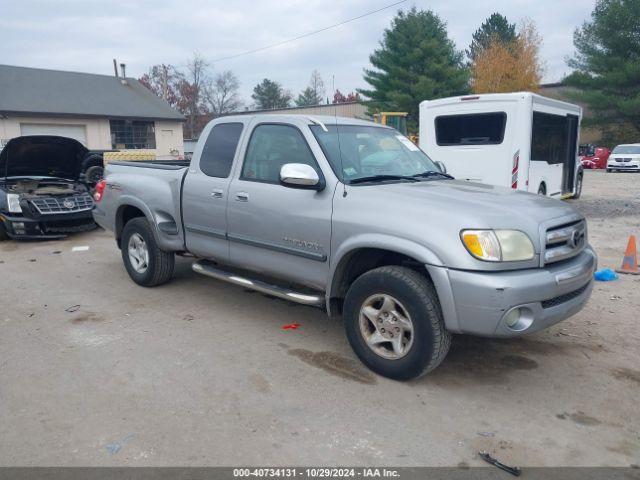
x=576 y=238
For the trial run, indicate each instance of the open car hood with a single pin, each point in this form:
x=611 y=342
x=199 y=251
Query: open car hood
x=42 y=156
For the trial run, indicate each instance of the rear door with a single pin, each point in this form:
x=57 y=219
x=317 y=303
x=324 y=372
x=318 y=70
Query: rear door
x=276 y=230
x=550 y=139
x=206 y=190
x=568 y=174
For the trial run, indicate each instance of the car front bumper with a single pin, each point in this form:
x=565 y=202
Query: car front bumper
x=49 y=226
x=479 y=303
x=632 y=165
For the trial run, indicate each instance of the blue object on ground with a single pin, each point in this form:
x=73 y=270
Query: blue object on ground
x=605 y=275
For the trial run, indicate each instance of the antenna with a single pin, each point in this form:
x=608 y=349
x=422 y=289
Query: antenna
x=335 y=116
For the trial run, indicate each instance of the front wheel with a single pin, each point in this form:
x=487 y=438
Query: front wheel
x=394 y=323
x=578 y=187
x=542 y=190
x=146 y=263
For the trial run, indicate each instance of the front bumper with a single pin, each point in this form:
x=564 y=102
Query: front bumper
x=478 y=303
x=49 y=226
x=633 y=165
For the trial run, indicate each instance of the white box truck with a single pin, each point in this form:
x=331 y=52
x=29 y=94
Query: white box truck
x=519 y=140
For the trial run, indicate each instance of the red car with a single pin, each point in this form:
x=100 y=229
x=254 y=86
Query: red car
x=594 y=157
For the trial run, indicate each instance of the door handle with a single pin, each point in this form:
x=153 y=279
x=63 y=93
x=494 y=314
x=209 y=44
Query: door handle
x=217 y=193
x=242 y=196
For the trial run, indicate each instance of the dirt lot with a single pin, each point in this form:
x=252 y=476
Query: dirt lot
x=199 y=372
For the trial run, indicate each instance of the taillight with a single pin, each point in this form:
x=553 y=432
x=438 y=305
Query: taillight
x=514 y=170
x=99 y=190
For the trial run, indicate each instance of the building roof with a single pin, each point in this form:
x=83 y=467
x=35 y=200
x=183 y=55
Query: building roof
x=53 y=92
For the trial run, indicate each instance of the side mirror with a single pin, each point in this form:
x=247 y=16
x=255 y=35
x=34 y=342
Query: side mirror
x=300 y=175
x=441 y=166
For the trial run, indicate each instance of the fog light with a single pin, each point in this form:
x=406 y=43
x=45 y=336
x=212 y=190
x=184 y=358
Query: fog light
x=512 y=317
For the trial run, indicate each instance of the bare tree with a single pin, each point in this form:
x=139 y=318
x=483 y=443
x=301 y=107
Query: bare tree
x=222 y=93
x=162 y=80
x=192 y=91
x=317 y=85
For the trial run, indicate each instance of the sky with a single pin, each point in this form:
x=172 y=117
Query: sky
x=85 y=35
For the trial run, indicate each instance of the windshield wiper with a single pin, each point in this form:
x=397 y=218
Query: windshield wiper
x=432 y=173
x=382 y=178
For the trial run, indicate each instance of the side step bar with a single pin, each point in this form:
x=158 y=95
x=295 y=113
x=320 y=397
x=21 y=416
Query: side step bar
x=257 y=285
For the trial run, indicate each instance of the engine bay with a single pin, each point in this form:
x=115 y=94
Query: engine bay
x=28 y=188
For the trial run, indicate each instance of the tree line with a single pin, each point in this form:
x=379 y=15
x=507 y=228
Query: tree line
x=417 y=61
x=195 y=91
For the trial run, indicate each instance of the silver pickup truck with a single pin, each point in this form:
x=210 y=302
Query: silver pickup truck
x=352 y=217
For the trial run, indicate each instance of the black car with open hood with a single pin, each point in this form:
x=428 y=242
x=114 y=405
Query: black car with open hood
x=41 y=193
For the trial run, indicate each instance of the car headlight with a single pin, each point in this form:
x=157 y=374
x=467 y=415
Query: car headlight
x=498 y=245
x=13 y=202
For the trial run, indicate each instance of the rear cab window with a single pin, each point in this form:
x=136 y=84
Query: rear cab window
x=220 y=149
x=470 y=129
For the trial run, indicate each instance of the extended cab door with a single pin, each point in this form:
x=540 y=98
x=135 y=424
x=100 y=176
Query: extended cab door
x=206 y=190
x=273 y=229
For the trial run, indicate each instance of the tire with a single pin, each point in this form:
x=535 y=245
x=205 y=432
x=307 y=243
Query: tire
x=608 y=170
x=159 y=264
x=3 y=232
x=542 y=189
x=94 y=174
x=418 y=301
x=578 y=187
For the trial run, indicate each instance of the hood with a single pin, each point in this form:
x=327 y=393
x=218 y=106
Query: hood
x=432 y=213
x=493 y=206
x=42 y=156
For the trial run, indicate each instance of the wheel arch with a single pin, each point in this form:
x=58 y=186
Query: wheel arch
x=127 y=211
x=359 y=256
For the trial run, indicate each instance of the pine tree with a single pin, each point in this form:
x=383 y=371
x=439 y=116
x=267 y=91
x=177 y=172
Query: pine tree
x=269 y=95
x=496 y=27
x=416 y=61
x=607 y=69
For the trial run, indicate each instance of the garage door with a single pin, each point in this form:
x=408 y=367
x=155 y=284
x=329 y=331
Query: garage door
x=72 y=131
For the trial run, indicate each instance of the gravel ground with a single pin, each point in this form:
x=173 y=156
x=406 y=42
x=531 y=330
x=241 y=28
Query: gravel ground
x=198 y=372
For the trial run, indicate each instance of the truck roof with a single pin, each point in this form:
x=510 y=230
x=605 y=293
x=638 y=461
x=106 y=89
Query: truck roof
x=503 y=97
x=275 y=117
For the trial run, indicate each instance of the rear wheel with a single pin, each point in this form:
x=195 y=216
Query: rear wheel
x=3 y=232
x=394 y=323
x=578 y=187
x=146 y=263
x=542 y=189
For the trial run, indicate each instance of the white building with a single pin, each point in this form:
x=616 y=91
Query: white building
x=101 y=111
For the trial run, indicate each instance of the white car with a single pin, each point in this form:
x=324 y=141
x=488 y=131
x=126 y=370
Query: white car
x=625 y=157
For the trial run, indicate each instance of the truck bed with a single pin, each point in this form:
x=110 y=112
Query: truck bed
x=153 y=187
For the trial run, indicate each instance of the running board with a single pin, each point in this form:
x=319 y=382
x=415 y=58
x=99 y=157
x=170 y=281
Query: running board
x=257 y=285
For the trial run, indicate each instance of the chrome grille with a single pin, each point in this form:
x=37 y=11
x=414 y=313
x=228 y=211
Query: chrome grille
x=55 y=205
x=564 y=241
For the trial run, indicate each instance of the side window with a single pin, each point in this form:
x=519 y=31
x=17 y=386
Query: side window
x=549 y=138
x=219 y=150
x=470 y=129
x=272 y=146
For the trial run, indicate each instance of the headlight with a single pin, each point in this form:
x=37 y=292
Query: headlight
x=13 y=202
x=498 y=245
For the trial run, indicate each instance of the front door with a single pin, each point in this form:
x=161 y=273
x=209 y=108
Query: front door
x=206 y=190
x=276 y=230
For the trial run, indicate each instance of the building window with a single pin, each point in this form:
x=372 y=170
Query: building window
x=132 y=134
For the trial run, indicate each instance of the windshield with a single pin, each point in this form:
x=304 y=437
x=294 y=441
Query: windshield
x=628 y=149
x=371 y=151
